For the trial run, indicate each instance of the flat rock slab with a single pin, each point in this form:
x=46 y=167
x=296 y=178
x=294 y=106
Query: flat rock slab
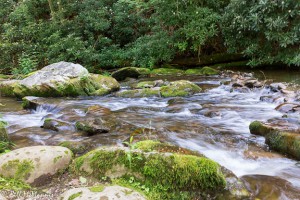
x=107 y=193
x=36 y=164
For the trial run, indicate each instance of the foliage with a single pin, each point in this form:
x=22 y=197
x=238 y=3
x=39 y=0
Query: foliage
x=12 y=184
x=264 y=30
x=115 y=33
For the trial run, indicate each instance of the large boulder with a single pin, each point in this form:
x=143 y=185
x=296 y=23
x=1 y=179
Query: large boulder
x=102 y=193
x=61 y=79
x=179 y=88
x=282 y=139
x=129 y=72
x=35 y=165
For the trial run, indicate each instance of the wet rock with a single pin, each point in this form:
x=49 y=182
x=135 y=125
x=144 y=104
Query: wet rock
x=212 y=114
x=253 y=83
x=149 y=84
x=103 y=193
x=279 y=137
x=139 y=93
x=97 y=110
x=276 y=87
x=237 y=84
x=179 y=88
x=64 y=79
x=56 y=125
x=129 y=72
x=78 y=148
x=92 y=126
x=288 y=107
x=35 y=165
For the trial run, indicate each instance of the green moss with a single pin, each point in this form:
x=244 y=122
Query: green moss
x=74 y=196
x=75 y=147
x=166 y=174
x=57 y=159
x=98 y=188
x=21 y=169
x=145 y=84
x=284 y=142
x=167 y=71
x=259 y=128
x=13 y=184
x=179 y=89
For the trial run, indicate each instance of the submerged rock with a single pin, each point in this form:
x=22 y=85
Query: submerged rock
x=103 y=193
x=35 y=165
x=129 y=72
x=179 y=88
x=92 y=127
x=288 y=107
x=61 y=79
x=279 y=138
x=97 y=110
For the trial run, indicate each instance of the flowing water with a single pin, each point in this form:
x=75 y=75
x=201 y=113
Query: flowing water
x=215 y=123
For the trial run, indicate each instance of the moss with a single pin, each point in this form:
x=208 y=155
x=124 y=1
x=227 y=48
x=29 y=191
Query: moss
x=145 y=84
x=129 y=72
x=98 y=188
x=3 y=132
x=167 y=174
x=74 y=196
x=167 y=71
x=208 y=71
x=13 y=184
x=284 y=142
x=259 y=128
x=194 y=72
x=57 y=159
x=147 y=145
x=21 y=169
x=179 y=89
x=139 y=93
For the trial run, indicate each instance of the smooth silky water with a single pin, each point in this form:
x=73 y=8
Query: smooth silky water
x=215 y=123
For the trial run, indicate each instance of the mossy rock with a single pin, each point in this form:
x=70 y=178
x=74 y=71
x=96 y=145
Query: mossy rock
x=78 y=148
x=258 y=128
x=92 y=127
x=129 y=72
x=167 y=172
x=207 y=71
x=103 y=193
x=35 y=164
x=7 y=88
x=287 y=143
x=139 y=93
x=56 y=125
x=59 y=80
x=179 y=89
x=97 y=110
x=167 y=71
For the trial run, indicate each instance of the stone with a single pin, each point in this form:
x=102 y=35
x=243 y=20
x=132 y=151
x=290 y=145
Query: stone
x=102 y=193
x=63 y=79
x=78 y=148
x=97 y=110
x=276 y=87
x=139 y=93
x=35 y=165
x=179 y=89
x=92 y=126
x=129 y=72
x=207 y=71
x=287 y=107
x=56 y=125
x=3 y=132
x=7 y=87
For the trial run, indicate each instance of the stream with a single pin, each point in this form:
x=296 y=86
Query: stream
x=214 y=123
